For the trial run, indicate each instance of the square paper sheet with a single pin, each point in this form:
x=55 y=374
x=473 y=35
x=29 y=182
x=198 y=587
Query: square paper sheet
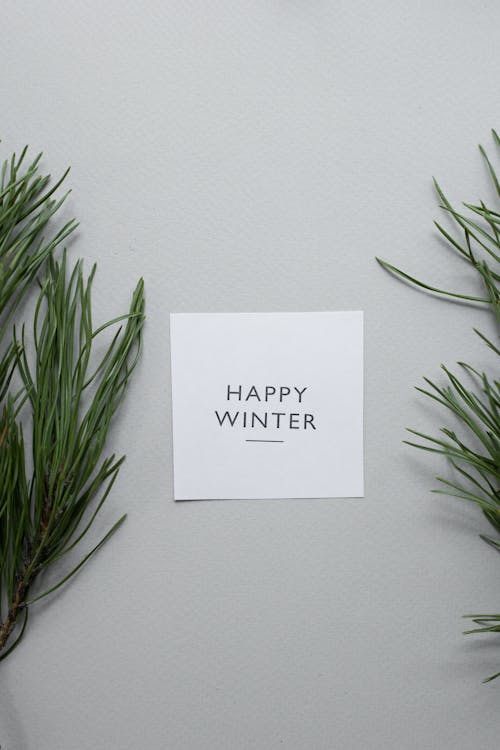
x=267 y=405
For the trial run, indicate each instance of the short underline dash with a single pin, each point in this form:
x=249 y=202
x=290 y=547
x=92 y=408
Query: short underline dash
x=250 y=440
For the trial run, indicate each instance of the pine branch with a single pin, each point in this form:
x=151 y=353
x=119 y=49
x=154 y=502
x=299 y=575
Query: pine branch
x=68 y=399
x=475 y=456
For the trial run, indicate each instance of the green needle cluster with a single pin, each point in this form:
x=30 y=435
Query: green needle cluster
x=475 y=403
x=65 y=397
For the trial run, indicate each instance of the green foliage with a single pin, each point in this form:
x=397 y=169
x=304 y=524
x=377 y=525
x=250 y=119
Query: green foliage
x=475 y=452
x=64 y=396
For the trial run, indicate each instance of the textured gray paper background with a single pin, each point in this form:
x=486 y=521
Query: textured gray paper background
x=256 y=156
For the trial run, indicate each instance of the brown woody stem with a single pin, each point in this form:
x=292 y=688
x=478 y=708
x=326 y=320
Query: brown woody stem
x=16 y=606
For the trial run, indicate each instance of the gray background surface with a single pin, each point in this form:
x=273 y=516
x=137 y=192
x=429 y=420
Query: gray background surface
x=257 y=156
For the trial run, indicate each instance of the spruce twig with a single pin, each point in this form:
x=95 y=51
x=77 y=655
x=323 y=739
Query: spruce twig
x=476 y=456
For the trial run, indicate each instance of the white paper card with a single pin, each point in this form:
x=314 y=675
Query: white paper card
x=267 y=405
